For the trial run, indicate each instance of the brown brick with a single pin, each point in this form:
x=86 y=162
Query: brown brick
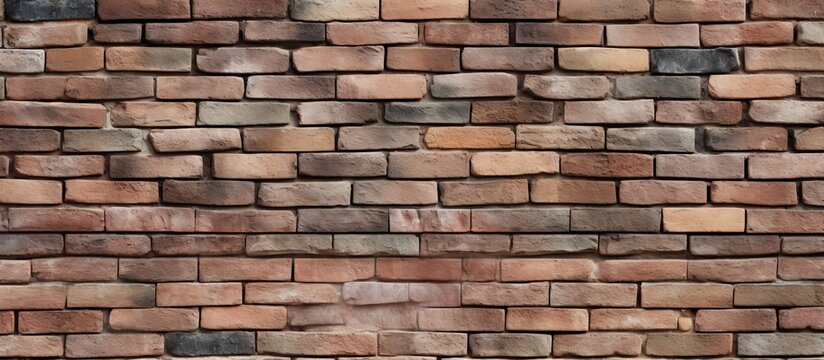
x=560 y=137
x=333 y=270
x=318 y=343
x=428 y=220
x=245 y=221
x=111 y=296
x=653 y=192
x=683 y=344
x=755 y=33
x=170 y=245
x=799 y=318
x=111 y=245
x=683 y=295
x=467 y=34
x=671 y=11
x=55 y=219
x=118 y=33
x=29 y=140
x=796 y=59
x=600 y=295
x=59 y=322
x=508 y=59
x=155 y=319
x=130 y=167
x=158 y=270
x=372 y=33
x=783 y=295
x=751 y=86
x=607 y=165
x=559 y=34
x=111 y=192
x=699 y=112
x=737 y=320
x=277 y=140
x=642 y=270
x=474 y=85
x=30 y=114
x=772 y=9
x=291 y=87
x=520 y=220
x=134 y=58
x=283 y=31
x=55 y=34
x=424 y=9
x=382 y=86
x=89 y=58
x=735 y=245
x=240 y=269
x=33 y=297
x=196 y=294
x=199 y=88
x=486 y=192
x=224 y=193
x=633 y=319
x=512 y=112
x=394 y=193
x=153 y=114
x=27 y=346
x=74 y=269
x=113 y=345
x=239 y=9
x=600 y=10
x=143 y=9
x=754 y=193
x=598 y=344
x=423 y=59
x=379 y=138
x=244 y=317
x=365 y=164
x=476 y=137
x=627 y=244
x=573 y=191
x=59 y=166
x=193 y=33
x=547 y=319
x=427 y=165
x=733 y=271
x=15 y=272
x=609 y=112
x=339 y=58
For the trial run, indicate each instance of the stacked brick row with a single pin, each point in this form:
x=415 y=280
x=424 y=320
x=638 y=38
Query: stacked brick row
x=412 y=179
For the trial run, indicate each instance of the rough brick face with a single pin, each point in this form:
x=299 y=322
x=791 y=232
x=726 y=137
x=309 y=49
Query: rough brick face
x=414 y=179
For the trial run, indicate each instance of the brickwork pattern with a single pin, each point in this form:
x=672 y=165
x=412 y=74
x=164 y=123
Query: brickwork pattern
x=412 y=179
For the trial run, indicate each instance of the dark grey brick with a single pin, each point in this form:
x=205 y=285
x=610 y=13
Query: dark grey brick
x=211 y=343
x=428 y=112
x=658 y=87
x=37 y=10
x=694 y=61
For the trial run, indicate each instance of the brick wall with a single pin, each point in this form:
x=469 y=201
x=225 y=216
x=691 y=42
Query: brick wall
x=415 y=178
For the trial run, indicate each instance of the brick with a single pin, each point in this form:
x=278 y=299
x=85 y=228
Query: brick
x=755 y=33
x=496 y=294
x=673 y=11
x=649 y=35
x=600 y=295
x=799 y=318
x=45 y=35
x=215 y=269
x=349 y=113
x=780 y=344
x=154 y=319
x=509 y=164
x=89 y=58
x=754 y=193
x=365 y=164
x=751 y=86
x=193 y=33
x=434 y=294
x=801 y=245
x=291 y=87
x=256 y=113
x=567 y=87
x=199 y=88
x=36 y=140
x=378 y=138
x=372 y=293
x=57 y=322
x=244 y=317
x=609 y=112
x=143 y=9
x=652 y=192
x=511 y=59
x=15 y=271
x=485 y=192
x=809 y=33
x=133 y=58
x=560 y=137
x=603 y=60
x=744 y=139
x=698 y=220
x=196 y=294
x=467 y=34
x=239 y=9
x=109 y=345
x=516 y=345
x=642 y=270
x=474 y=85
x=26 y=346
x=183 y=166
x=685 y=295
x=333 y=270
x=112 y=245
x=394 y=193
x=512 y=112
x=784 y=166
x=520 y=220
x=628 y=244
x=427 y=113
x=783 y=295
x=309 y=10
x=573 y=192
x=254 y=166
x=48 y=10
x=158 y=270
x=681 y=344
x=154 y=114
x=111 y=296
x=117 y=33
x=547 y=319
x=22 y=61
x=318 y=343
x=651 y=139
x=559 y=34
x=150 y=219
x=700 y=166
x=59 y=166
x=617 y=220
x=30 y=245
x=786 y=111
x=599 y=10
x=74 y=269
x=360 y=245
x=666 y=87
x=428 y=165
x=104 y=140
x=737 y=271
x=220 y=193
x=520 y=270
x=292 y=293
x=812 y=86
x=30 y=192
x=791 y=221
x=732 y=245
x=429 y=220
x=458 y=244
x=737 y=320
x=521 y=9
x=282 y=31
x=480 y=270
x=424 y=9
x=304 y=194
x=55 y=219
x=693 y=61
x=633 y=319
x=38 y=88
x=339 y=58
x=31 y=114
x=813 y=192
x=423 y=59
x=595 y=344
x=33 y=297
x=607 y=165
x=770 y=9
x=418 y=269
x=794 y=59
x=461 y=319
x=245 y=221
x=109 y=88
x=383 y=86
x=280 y=140
x=371 y=33
x=478 y=137
x=205 y=245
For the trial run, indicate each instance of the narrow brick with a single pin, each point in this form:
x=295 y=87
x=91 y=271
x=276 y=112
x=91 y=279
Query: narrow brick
x=675 y=11
x=154 y=114
x=599 y=10
x=609 y=112
x=291 y=140
x=365 y=164
x=372 y=33
x=603 y=60
x=128 y=58
x=467 y=34
x=193 y=33
x=562 y=34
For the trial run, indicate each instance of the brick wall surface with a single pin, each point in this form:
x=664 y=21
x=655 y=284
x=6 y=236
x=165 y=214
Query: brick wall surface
x=412 y=179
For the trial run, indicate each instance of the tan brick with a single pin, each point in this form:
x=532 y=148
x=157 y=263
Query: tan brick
x=547 y=319
x=475 y=137
x=199 y=88
x=642 y=270
x=685 y=344
x=254 y=166
x=196 y=294
x=74 y=269
x=633 y=319
x=243 y=60
x=518 y=163
x=55 y=34
x=242 y=269
x=154 y=114
x=703 y=220
x=112 y=345
x=28 y=346
x=258 y=317
x=155 y=319
x=89 y=58
x=598 y=344
x=673 y=11
x=333 y=270
x=339 y=58
x=649 y=35
x=111 y=296
x=751 y=86
x=735 y=320
x=383 y=86
x=291 y=87
x=424 y=9
x=546 y=269
x=682 y=295
x=133 y=58
x=429 y=59
x=372 y=32
x=239 y=9
x=150 y=219
x=604 y=60
x=754 y=33
x=467 y=34
x=461 y=319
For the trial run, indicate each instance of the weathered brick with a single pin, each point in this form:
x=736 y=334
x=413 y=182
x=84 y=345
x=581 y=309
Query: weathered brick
x=681 y=344
x=239 y=9
x=658 y=87
x=199 y=88
x=49 y=10
x=171 y=245
x=459 y=244
x=511 y=58
x=514 y=345
x=751 y=86
x=74 y=269
x=642 y=270
x=394 y=192
x=150 y=219
x=597 y=344
x=703 y=219
x=30 y=192
x=779 y=295
x=477 y=137
x=651 y=139
x=700 y=166
x=573 y=191
x=318 y=343
x=88 y=58
x=254 y=166
x=799 y=318
x=350 y=113
x=22 y=61
x=55 y=219
x=59 y=166
x=467 y=34
x=772 y=9
x=118 y=33
x=26 y=346
x=774 y=58
x=674 y=11
x=197 y=294
x=547 y=319
x=519 y=270
x=378 y=138
x=154 y=319
x=245 y=221
x=484 y=192
x=801 y=244
x=33 y=297
x=40 y=114
x=609 y=112
x=604 y=60
x=633 y=319
x=567 y=88
x=288 y=139
x=652 y=192
x=461 y=319
x=350 y=220
x=158 y=270
x=29 y=140
x=744 y=139
x=383 y=86
x=601 y=295
x=15 y=272
x=424 y=9
x=153 y=114
x=653 y=35
x=365 y=164
x=607 y=165
x=733 y=245
x=183 y=166
x=560 y=137
x=429 y=220
x=193 y=33
x=56 y=34
x=418 y=269
x=359 y=245
x=133 y=58
x=371 y=33
x=421 y=343
x=111 y=296
x=311 y=10
x=628 y=244
x=333 y=270
x=339 y=58
x=292 y=293
x=754 y=193
x=780 y=344
x=143 y=9
x=111 y=245
x=737 y=320
x=105 y=140
x=244 y=317
x=599 y=10
x=520 y=220
x=733 y=271
x=510 y=164
x=429 y=59
x=58 y=322
x=559 y=34
x=684 y=295
x=283 y=31
x=520 y=9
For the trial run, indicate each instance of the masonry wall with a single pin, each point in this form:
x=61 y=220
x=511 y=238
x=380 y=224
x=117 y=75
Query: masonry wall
x=412 y=179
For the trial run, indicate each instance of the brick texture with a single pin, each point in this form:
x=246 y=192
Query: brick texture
x=411 y=179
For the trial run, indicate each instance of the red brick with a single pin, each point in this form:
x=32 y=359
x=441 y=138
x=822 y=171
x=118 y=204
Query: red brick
x=292 y=293
x=111 y=192
x=467 y=34
x=89 y=58
x=772 y=9
x=54 y=34
x=155 y=319
x=333 y=270
x=200 y=88
x=158 y=270
x=801 y=318
x=33 y=297
x=74 y=269
x=424 y=9
x=633 y=319
x=735 y=320
x=59 y=166
x=108 y=245
x=153 y=114
x=755 y=33
x=254 y=166
x=423 y=59
x=480 y=269
x=243 y=317
x=7 y=322
x=461 y=319
x=31 y=114
x=133 y=58
x=150 y=219
x=15 y=271
x=372 y=33
x=239 y=269
x=484 y=192
x=801 y=268
x=395 y=192
x=519 y=270
x=733 y=271
x=418 y=269
x=597 y=344
x=547 y=319
x=60 y=322
x=31 y=346
x=244 y=221
x=30 y=192
x=596 y=295
x=642 y=270
x=196 y=294
x=475 y=137
x=653 y=192
x=118 y=33
x=143 y=9
x=55 y=219
x=110 y=296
